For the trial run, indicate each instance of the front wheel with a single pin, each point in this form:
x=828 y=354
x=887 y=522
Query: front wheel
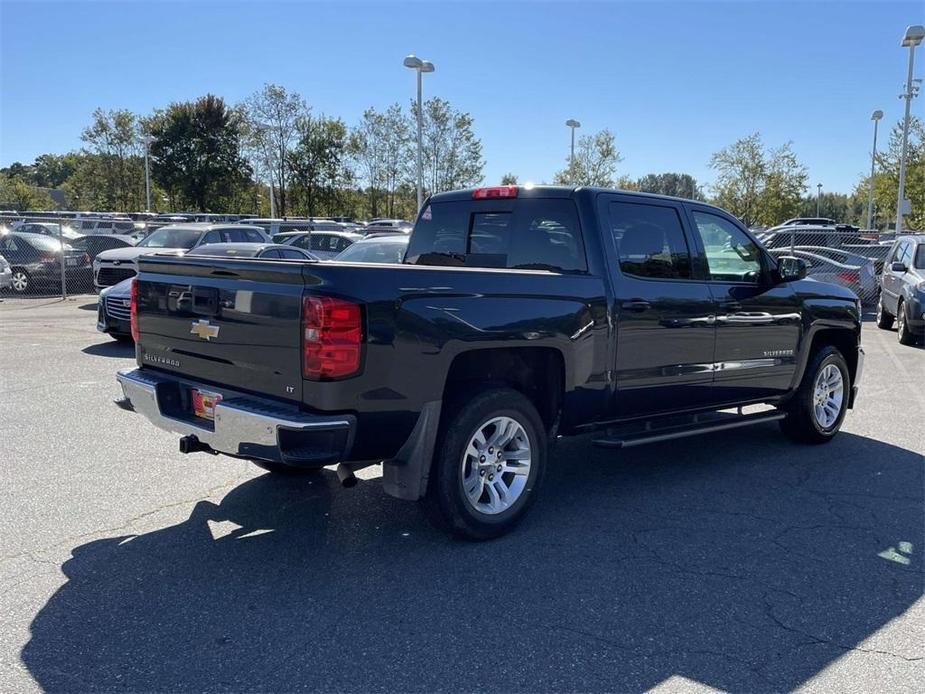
x=20 y=281
x=817 y=410
x=903 y=334
x=884 y=319
x=488 y=464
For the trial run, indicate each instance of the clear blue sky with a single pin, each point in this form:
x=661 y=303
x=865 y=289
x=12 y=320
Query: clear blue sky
x=673 y=81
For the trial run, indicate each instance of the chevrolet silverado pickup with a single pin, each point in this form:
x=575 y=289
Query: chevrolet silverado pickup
x=519 y=314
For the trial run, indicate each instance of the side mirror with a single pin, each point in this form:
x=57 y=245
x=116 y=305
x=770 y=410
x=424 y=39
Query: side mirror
x=897 y=266
x=790 y=268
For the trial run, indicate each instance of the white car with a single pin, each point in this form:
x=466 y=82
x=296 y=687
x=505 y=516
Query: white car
x=6 y=274
x=111 y=267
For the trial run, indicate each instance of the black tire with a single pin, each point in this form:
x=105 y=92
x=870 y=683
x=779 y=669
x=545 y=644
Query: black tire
x=446 y=503
x=801 y=423
x=903 y=334
x=24 y=278
x=884 y=319
x=283 y=469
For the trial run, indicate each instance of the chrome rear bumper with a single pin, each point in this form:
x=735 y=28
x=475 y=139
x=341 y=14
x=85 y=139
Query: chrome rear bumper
x=244 y=427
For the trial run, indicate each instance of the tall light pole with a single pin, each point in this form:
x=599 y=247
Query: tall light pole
x=572 y=123
x=818 y=197
x=147 y=141
x=912 y=38
x=875 y=117
x=420 y=66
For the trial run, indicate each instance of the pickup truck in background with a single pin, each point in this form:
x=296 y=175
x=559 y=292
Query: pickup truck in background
x=519 y=314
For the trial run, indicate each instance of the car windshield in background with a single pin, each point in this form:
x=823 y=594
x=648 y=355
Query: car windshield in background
x=172 y=238
x=372 y=252
x=46 y=243
x=221 y=249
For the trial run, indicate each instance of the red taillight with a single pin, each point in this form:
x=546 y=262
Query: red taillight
x=133 y=310
x=86 y=257
x=849 y=276
x=48 y=258
x=332 y=332
x=494 y=192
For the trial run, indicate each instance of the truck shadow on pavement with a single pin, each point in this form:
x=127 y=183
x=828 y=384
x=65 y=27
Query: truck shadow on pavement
x=751 y=570
x=112 y=348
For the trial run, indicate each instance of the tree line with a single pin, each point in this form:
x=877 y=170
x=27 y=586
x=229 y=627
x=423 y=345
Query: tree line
x=210 y=156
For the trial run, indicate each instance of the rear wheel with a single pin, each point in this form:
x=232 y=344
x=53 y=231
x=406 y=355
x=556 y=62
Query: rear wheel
x=21 y=281
x=817 y=410
x=903 y=333
x=488 y=464
x=884 y=319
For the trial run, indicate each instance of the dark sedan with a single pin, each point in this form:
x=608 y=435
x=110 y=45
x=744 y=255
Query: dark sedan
x=113 y=315
x=35 y=261
x=94 y=244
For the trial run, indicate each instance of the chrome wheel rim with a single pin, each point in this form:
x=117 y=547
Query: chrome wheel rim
x=20 y=281
x=828 y=396
x=495 y=465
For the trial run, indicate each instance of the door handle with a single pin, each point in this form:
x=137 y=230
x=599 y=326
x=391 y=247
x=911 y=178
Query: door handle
x=635 y=305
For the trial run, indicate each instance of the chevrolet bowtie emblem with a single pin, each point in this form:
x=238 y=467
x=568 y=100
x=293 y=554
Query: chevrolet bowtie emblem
x=204 y=329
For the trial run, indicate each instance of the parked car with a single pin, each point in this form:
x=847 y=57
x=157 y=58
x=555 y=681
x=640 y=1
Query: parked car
x=6 y=274
x=35 y=261
x=518 y=315
x=379 y=249
x=830 y=237
x=275 y=251
x=395 y=223
x=855 y=272
x=113 y=310
x=53 y=229
x=373 y=230
x=272 y=227
x=105 y=226
x=808 y=221
x=94 y=244
x=111 y=267
x=323 y=244
x=902 y=290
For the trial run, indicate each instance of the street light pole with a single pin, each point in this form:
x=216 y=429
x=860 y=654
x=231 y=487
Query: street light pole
x=912 y=38
x=818 y=197
x=875 y=117
x=572 y=123
x=147 y=141
x=420 y=66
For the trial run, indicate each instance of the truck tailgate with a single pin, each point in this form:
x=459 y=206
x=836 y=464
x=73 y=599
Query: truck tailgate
x=231 y=321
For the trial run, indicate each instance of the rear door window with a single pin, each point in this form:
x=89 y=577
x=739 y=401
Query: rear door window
x=650 y=241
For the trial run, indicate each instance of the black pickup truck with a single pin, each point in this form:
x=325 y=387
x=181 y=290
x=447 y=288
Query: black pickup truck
x=519 y=315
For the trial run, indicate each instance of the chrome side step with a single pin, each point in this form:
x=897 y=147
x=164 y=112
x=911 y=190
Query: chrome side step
x=626 y=437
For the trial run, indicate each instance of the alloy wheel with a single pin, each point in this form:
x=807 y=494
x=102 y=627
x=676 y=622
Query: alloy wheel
x=828 y=396
x=495 y=465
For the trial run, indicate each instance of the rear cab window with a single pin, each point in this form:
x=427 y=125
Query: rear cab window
x=522 y=234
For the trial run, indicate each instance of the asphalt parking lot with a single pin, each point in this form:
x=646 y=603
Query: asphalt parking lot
x=737 y=561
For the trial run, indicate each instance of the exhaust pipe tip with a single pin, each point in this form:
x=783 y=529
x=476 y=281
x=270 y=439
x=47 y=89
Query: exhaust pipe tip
x=346 y=476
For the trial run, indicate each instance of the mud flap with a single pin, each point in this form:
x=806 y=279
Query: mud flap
x=405 y=475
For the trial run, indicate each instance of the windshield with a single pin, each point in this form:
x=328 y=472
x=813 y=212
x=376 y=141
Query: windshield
x=172 y=238
x=374 y=253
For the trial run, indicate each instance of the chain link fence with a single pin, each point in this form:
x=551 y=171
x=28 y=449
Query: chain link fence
x=840 y=255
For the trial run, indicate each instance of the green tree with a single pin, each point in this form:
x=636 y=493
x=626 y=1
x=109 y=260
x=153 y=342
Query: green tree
x=886 y=180
x=16 y=193
x=196 y=153
x=509 y=179
x=113 y=138
x=274 y=114
x=452 y=151
x=678 y=185
x=595 y=163
x=319 y=163
x=758 y=186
